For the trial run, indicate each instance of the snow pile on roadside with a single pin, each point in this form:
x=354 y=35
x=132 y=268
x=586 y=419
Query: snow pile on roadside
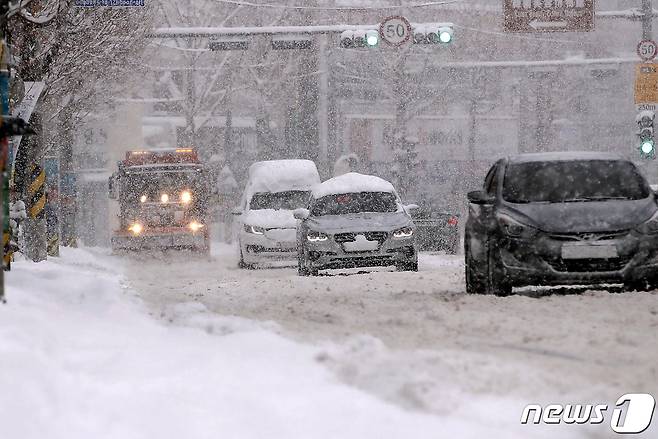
x=81 y=359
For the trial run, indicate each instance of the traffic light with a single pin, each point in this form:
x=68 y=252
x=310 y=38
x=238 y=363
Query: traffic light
x=433 y=33
x=359 y=38
x=647 y=146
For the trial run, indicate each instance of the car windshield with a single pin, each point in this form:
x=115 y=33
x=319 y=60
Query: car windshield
x=287 y=200
x=571 y=181
x=341 y=204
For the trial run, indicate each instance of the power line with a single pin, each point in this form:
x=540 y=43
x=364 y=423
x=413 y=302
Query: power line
x=335 y=8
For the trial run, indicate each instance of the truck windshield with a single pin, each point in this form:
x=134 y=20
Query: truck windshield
x=287 y=200
x=571 y=181
x=341 y=204
x=153 y=185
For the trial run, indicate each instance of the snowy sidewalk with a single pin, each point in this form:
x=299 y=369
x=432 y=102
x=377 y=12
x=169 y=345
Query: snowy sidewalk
x=80 y=359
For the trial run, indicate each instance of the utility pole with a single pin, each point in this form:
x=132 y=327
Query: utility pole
x=647 y=19
x=323 y=105
x=4 y=142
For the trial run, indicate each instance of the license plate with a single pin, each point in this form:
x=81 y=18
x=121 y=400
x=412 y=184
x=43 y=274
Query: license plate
x=585 y=251
x=361 y=244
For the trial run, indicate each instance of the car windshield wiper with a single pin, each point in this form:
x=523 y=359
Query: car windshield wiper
x=602 y=198
x=532 y=201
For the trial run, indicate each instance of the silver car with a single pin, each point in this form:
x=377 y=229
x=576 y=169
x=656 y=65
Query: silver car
x=354 y=221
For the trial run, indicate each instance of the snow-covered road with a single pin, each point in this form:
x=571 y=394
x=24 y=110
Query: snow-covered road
x=256 y=354
x=418 y=341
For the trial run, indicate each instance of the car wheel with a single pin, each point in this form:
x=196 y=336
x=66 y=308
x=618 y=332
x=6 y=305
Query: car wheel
x=641 y=285
x=301 y=267
x=242 y=264
x=453 y=246
x=485 y=277
x=407 y=266
x=304 y=266
x=474 y=273
x=496 y=280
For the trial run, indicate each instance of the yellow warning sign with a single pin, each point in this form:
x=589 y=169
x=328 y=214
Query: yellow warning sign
x=646 y=83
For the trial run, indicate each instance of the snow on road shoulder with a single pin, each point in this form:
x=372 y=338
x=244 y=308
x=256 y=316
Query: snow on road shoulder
x=81 y=358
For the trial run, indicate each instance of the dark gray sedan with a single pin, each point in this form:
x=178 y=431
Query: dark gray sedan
x=353 y=221
x=561 y=218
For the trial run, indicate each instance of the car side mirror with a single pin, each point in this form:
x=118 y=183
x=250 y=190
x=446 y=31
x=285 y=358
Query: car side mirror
x=411 y=208
x=301 y=214
x=480 y=197
x=236 y=211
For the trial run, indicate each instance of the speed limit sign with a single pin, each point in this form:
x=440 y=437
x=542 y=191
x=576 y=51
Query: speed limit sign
x=647 y=49
x=395 y=30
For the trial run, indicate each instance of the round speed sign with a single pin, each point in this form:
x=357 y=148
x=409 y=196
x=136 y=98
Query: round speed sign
x=395 y=30
x=647 y=50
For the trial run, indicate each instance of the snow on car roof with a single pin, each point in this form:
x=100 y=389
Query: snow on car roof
x=352 y=182
x=282 y=175
x=563 y=156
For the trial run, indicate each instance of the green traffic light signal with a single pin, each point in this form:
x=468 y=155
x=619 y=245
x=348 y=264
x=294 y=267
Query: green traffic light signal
x=372 y=38
x=445 y=34
x=648 y=149
x=647 y=146
x=445 y=37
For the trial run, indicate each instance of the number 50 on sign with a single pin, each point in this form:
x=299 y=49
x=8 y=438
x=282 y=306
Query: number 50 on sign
x=395 y=30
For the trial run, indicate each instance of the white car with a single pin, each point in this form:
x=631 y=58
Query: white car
x=266 y=227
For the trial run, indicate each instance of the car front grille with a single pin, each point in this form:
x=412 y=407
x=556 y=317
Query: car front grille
x=351 y=237
x=599 y=236
x=376 y=236
x=585 y=265
x=344 y=237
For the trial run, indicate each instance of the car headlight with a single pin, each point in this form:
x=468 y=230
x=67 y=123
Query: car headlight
x=136 y=228
x=164 y=198
x=649 y=227
x=195 y=226
x=404 y=232
x=143 y=199
x=314 y=236
x=514 y=228
x=256 y=230
x=186 y=197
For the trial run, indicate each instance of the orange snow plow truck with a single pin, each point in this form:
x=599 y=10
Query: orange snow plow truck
x=162 y=196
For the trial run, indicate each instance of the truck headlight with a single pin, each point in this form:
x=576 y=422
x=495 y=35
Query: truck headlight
x=514 y=228
x=314 y=236
x=195 y=226
x=256 y=230
x=649 y=227
x=136 y=228
x=404 y=232
x=186 y=197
